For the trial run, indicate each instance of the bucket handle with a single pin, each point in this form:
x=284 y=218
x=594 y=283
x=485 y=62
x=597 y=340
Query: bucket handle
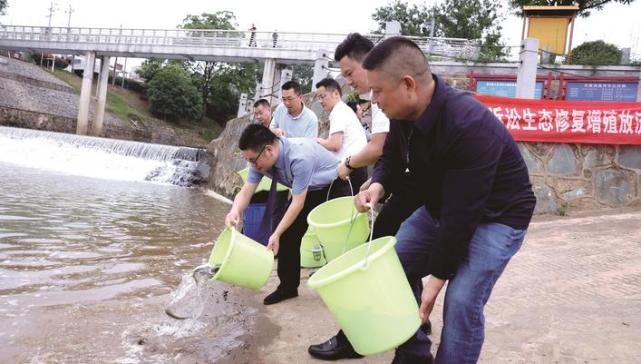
x=371 y=235
x=329 y=190
x=352 y=217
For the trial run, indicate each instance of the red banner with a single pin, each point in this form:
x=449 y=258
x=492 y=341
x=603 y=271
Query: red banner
x=568 y=121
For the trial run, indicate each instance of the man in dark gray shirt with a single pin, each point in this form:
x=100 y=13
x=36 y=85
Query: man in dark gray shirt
x=474 y=186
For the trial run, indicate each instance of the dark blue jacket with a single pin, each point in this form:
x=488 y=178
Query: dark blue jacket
x=468 y=170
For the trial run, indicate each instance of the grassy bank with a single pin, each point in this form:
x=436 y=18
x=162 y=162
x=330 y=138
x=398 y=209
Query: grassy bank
x=128 y=105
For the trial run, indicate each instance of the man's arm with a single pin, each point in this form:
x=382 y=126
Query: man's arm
x=241 y=201
x=333 y=143
x=471 y=164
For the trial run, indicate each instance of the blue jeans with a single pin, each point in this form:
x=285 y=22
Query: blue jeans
x=490 y=249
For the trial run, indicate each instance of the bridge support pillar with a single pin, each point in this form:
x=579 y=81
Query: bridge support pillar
x=285 y=76
x=85 y=94
x=103 y=81
x=321 y=69
x=242 y=105
x=267 y=86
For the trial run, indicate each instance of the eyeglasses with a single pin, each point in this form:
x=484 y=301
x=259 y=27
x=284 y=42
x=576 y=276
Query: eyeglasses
x=255 y=160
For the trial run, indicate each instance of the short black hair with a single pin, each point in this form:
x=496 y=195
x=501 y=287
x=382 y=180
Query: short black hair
x=355 y=46
x=255 y=137
x=385 y=49
x=292 y=85
x=329 y=84
x=263 y=102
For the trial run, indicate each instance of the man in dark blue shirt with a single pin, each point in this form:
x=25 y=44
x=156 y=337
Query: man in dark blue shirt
x=474 y=185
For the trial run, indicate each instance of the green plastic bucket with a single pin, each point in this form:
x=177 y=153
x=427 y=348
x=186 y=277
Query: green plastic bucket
x=372 y=303
x=241 y=261
x=338 y=226
x=311 y=252
x=265 y=183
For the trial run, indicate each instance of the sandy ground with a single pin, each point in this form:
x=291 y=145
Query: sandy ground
x=571 y=295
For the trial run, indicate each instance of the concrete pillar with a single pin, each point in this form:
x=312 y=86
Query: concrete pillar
x=242 y=105
x=392 y=29
x=85 y=94
x=103 y=82
x=276 y=91
x=285 y=76
x=321 y=69
x=625 y=56
x=526 y=74
x=267 y=85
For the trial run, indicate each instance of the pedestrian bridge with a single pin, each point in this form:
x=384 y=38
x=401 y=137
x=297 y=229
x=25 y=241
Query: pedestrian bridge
x=203 y=44
x=270 y=48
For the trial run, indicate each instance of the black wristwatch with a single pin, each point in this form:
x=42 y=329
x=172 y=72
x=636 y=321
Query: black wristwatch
x=347 y=162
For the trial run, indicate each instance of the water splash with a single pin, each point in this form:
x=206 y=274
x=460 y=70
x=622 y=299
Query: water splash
x=187 y=301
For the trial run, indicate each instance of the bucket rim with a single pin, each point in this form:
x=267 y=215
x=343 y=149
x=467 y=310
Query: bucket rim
x=332 y=224
x=314 y=282
x=227 y=253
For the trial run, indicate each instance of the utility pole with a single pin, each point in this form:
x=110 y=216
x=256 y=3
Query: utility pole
x=52 y=10
x=69 y=11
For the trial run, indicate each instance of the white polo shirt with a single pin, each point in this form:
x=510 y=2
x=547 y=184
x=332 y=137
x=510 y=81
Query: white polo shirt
x=343 y=119
x=380 y=122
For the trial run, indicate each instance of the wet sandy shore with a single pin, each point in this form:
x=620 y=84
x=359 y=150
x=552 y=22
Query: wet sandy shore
x=571 y=295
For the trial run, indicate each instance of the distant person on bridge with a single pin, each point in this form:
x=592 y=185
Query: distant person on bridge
x=275 y=38
x=309 y=170
x=263 y=112
x=252 y=36
x=346 y=134
x=292 y=119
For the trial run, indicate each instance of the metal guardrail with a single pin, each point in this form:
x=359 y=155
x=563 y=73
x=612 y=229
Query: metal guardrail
x=445 y=47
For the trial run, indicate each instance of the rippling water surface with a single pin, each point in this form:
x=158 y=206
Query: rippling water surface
x=79 y=251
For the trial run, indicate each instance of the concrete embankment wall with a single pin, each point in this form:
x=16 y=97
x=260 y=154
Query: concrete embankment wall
x=34 y=99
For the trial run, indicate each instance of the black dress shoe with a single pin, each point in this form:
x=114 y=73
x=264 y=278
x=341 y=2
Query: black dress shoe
x=279 y=295
x=338 y=347
x=403 y=358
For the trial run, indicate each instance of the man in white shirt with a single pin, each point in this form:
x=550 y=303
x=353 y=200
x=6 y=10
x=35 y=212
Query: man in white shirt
x=292 y=119
x=346 y=134
x=350 y=54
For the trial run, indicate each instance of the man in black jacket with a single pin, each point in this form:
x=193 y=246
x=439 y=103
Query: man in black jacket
x=474 y=185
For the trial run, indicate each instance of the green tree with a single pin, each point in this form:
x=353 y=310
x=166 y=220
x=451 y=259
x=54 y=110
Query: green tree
x=595 y=53
x=3 y=5
x=475 y=19
x=303 y=74
x=229 y=81
x=150 y=67
x=585 y=6
x=411 y=17
x=222 y=20
x=173 y=96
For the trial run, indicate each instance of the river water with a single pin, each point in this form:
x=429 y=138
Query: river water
x=87 y=263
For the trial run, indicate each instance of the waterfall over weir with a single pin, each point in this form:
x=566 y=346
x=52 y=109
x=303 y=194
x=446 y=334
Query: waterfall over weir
x=103 y=158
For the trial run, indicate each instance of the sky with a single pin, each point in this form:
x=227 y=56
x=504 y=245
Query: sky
x=616 y=23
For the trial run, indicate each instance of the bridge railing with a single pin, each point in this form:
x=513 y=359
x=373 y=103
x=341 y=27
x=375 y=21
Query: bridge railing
x=446 y=47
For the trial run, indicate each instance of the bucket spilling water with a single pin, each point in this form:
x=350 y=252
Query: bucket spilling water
x=369 y=296
x=242 y=261
x=235 y=259
x=338 y=226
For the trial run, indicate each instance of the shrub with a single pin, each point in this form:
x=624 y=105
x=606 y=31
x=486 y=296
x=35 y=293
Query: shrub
x=173 y=96
x=595 y=53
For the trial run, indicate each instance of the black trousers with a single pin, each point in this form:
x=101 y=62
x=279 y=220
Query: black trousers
x=398 y=207
x=289 y=251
